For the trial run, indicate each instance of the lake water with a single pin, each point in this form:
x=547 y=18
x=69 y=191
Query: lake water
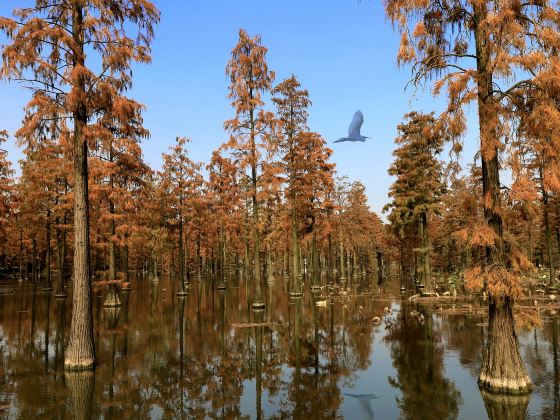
x=210 y=356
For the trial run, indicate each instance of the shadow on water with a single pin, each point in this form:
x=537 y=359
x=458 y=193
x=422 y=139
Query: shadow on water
x=208 y=354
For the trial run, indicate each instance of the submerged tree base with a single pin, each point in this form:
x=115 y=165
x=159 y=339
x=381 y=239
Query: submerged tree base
x=503 y=370
x=79 y=365
x=258 y=306
x=505 y=386
x=112 y=300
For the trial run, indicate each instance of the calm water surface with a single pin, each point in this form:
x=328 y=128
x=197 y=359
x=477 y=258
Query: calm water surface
x=203 y=357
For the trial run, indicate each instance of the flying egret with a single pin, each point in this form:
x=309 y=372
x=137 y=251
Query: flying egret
x=354 y=129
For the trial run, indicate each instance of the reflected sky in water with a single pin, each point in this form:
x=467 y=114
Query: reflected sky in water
x=210 y=356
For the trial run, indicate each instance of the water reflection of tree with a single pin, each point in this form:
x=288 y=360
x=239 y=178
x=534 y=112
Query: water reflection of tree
x=186 y=359
x=505 y=407
x=542 y=355
x=196 y=358
x=465 y=335
x=80 y=393
x=326 y=346
x=25 y=325
x=551 y=398
x=417 y=356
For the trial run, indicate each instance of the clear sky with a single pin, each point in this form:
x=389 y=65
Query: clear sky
x=342 y=51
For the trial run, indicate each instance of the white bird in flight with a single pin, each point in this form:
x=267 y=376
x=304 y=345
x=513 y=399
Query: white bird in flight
x=354 y=129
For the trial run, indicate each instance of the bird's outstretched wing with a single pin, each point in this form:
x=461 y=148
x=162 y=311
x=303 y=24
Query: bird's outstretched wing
x=356 y=124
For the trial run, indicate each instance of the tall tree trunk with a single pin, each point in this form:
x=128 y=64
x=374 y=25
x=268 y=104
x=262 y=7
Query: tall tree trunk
x=198 y=259
x=354 y=262
x=48 y=283
x=181 y=291
x=502 y=368
x=185 y=256
x=295 y=245
x=557 y=220
x=126 y=268
x=112 y=299
x=223 y=254
x=21 y=254
x=60 y=257
x=269 y=266
x=427 y=275
x=331 y=257
x=34 y=276
x=258 y=302
x=401 y=265
x=341 y=256
x=314 y=259
x=379 y=256
x=548 y=235
x=80 y=353
x=420 y=278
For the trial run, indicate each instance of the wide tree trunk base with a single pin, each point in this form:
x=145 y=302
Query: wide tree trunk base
x=78 y=364
x=503 y=370
x=505 y=386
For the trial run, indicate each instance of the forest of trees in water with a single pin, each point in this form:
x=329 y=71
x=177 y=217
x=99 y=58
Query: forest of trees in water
x=85 y=210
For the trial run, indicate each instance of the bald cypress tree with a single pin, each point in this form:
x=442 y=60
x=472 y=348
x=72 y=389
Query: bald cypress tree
x=292 y=103
x=418 y=187
x=251 y=129
x=486 y=52
x=76 y=57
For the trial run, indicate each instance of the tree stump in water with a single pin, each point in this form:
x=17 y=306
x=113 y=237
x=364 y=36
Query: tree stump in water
x=503 y=370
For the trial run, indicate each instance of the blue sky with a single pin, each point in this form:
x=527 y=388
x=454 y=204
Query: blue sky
x=342 y=51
